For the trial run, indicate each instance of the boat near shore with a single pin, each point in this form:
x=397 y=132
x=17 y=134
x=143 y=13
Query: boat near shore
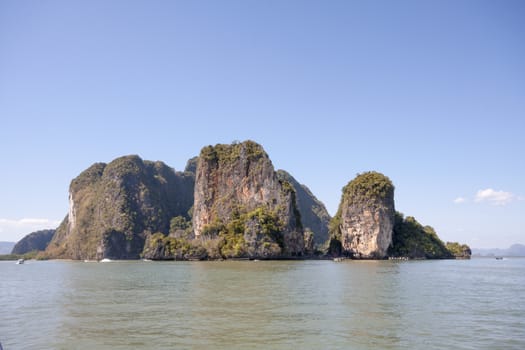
x=402 y=258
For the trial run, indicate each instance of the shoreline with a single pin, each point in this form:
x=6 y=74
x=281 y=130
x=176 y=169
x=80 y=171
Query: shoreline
x=12 y=257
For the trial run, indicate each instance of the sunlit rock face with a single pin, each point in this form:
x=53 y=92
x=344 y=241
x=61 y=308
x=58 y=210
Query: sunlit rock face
x=367 y=216
x=238 y=182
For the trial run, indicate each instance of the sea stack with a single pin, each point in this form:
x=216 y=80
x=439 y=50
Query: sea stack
x=365 y=219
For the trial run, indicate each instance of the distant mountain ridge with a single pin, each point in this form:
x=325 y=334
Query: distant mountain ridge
x=6 y=247
x=35 y=241
x=513 y=250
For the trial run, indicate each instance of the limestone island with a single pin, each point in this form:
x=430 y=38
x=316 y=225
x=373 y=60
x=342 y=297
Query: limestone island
x=230 y=203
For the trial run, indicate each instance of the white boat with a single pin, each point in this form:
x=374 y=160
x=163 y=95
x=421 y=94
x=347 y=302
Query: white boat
x=20 y=261
x=105 y=260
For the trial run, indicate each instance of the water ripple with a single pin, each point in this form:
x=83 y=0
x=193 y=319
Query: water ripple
x=476 y=304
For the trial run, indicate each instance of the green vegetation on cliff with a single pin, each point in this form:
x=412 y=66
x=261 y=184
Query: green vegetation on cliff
x=257 y=233
x=413 y=240
x=314 y=216
x=88 y=177
x=335 y=226
x=180 y=223
x=368 y=187
x=459 y=250
x=227 y=154
x=161 y=247
x=335 y=246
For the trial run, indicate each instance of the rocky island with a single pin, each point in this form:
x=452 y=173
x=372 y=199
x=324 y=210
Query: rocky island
x=230 y=202
x=33 y=242
x=363 y=225
x=114 y=207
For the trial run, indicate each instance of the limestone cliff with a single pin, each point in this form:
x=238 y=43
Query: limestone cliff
x=231 y=203
x=367 y=226
x=363 y=225
x=35 y=241
x=113 y=207
x=240 y=201
x=314 y=216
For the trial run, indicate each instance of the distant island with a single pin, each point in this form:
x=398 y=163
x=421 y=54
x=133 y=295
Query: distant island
x=513 y=250
x=228 y=203
x=6 y=247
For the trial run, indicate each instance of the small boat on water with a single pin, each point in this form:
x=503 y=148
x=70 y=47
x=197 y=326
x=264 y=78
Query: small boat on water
x=20 y=261
x=499 y=258
x=105 y=260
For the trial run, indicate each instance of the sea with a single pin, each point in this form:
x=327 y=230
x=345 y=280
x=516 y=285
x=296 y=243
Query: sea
x=428 y=304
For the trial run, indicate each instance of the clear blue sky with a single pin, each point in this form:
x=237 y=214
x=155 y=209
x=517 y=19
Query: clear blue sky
x=431 y=93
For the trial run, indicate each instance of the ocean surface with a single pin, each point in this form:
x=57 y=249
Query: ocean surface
x=445 y=304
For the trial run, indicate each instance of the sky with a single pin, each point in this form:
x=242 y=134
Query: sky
x=430 y=93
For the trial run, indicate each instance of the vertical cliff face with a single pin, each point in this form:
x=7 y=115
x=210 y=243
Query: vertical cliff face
x=314 y=216
x=364 y=223
x=239 y=197
x=114 y=206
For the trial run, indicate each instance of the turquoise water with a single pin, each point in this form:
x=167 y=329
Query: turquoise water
x=449 y=304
